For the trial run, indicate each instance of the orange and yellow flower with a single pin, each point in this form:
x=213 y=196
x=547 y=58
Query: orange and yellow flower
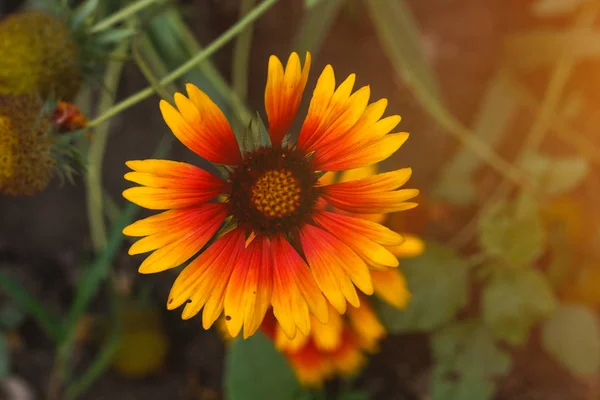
x=275 y=244
x=340 y=346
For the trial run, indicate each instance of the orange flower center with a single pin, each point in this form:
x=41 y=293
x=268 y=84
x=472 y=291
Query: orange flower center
x=273 y=191
x=276 y=193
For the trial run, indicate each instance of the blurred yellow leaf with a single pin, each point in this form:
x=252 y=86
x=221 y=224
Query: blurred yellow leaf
x=400 y=36
x=556 y=175
x=552 y=8
x=467 y=360
x=512 y=303
x=496 y=111
x=438 y=283
x=541 y=47
x=512 y=231
x=572 y=336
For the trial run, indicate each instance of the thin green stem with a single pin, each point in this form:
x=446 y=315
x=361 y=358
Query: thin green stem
x=147 y=71
x=316 y=23
x=105 y=355
x=241 y=54
x=218 y=43
x=34 y=307
x=212 y=74
x=548 y=109
x=554 y=91
x=122 y=14
x=560 y=126
x=96 y=155
x=465 y=136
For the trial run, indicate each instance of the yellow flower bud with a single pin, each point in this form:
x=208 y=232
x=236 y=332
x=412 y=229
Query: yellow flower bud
x=26 y=163
x=39 y=55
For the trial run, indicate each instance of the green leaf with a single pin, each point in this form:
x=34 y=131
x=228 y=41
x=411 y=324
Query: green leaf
x=553 y=8
x=542 y=47
x=4 y=357
x=513 y=302
x=115 y=35
x=255 y=370
x=308 y=4
x=467 y=360
x=466 y=388
x=316 y=22
x=256 y=135
x=11 y=316
x=169 y=36
x=556 y=175
x=83 y=12
x=572 y=336
x=400 y=36
x=438 y=282
x=512 y=231
x=47 y=320
x=496 y=111
x=355 y=395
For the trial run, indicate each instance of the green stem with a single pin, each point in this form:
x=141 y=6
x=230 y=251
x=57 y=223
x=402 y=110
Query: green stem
x=96 y=155
x=554 y=91
x=122 y=14
x=147 y=71
x=105 y=356
x=21 y=296
x=211 y=73
x=241 y=54
x=540 y=127
x=316 y=23
x=232 y=32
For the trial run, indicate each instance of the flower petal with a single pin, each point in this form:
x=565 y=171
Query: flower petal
x=170 y=184
x=335 y=266
x=331 y=112
x=240 y=297
x=283 y=93
x=370 y=251
x=366 y=325
x=202 y=283
x=294 y=290
x=413 y=246
x=371 y=230
x=372 y=195
x=348 y=358
x=284 y=254
x=328 y=336
x=390 y=285
x=253 y=320
x=189 y=231
x=368 y=154
x=201 y=126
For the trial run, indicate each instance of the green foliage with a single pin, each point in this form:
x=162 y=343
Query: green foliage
x=512 y=231
x=542 y=47
x=438 y=281
x=556 y=175
x=515 y=300
x=553 y=8
x=308 y=4
x=572 y=336
x=355 y=395
x=497 y=110
x=83 y=13
x=4 y=357
x=255 y=370
x=316 y=22
x=400 y=36
x=467 y=361
x=255 y=136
